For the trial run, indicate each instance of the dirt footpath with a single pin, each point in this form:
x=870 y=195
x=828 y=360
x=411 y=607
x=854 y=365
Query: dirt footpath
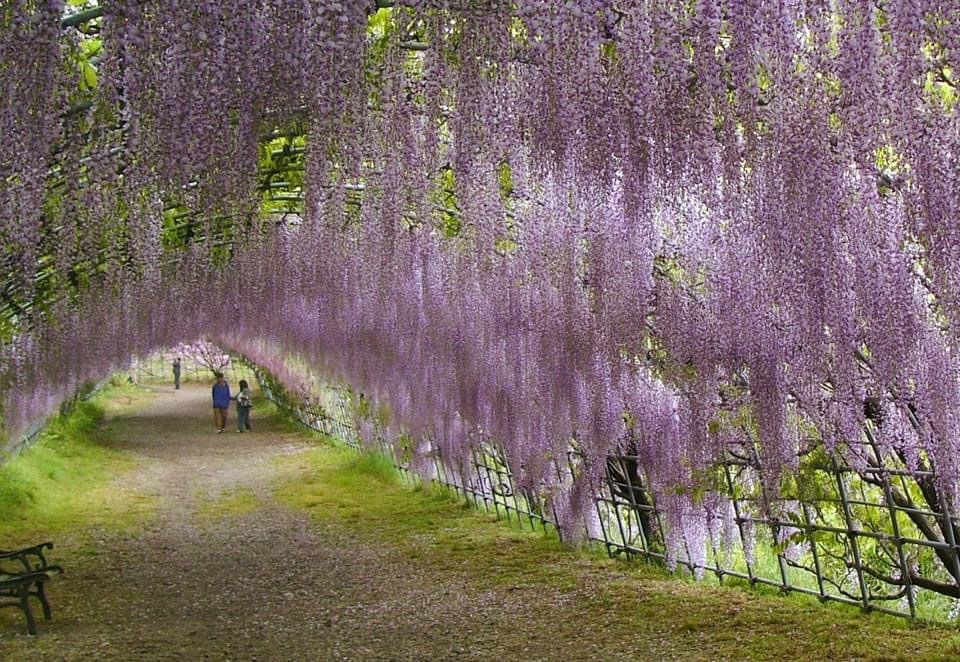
x=226 y=572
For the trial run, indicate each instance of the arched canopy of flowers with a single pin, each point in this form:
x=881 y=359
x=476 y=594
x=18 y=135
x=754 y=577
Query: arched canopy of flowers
x=696 y=228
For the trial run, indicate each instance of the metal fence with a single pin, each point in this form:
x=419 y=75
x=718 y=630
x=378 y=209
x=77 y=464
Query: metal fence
x=880 y=537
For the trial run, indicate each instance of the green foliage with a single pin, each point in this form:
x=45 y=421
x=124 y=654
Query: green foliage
x=444 y=197
x=362 y=406
x=404 y=448
x=81 y=57
x=381 y=29
x=669 y=269
x=88 y=76
x=505 y=181
x=281 y=173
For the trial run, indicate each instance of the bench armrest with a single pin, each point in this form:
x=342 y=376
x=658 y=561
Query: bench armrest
x=35 y=549
x=30 y=558
x=14 y=580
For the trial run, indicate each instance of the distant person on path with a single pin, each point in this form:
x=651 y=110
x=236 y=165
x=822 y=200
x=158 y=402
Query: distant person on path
x=244 y=405
x=176 y=373
x=221 y=402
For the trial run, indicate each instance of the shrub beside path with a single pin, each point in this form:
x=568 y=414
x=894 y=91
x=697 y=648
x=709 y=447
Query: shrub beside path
x=266 y=546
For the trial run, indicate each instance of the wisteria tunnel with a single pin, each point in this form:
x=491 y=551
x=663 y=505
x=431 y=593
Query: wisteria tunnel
x=678 y=277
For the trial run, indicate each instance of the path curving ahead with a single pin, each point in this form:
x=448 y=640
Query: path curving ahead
x=224 y=571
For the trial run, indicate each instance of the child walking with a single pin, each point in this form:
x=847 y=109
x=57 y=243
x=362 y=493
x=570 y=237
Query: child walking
x=244 y=405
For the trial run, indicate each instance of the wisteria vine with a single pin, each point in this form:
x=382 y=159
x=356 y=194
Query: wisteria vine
x=690 y=229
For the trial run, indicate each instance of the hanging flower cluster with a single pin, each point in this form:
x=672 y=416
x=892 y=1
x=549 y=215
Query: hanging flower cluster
x=30 y=101
x=695 y=228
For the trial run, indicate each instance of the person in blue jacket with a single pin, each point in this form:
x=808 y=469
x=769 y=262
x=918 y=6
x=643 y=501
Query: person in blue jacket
x=221 y=402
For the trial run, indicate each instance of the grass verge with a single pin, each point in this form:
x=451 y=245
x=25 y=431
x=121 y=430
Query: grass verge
x=63 y=480
x=678 y=618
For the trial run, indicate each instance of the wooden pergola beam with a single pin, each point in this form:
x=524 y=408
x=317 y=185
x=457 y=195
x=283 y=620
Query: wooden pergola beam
x=82 y=17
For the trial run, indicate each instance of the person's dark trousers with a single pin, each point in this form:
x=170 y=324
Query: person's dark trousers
x=243 y=418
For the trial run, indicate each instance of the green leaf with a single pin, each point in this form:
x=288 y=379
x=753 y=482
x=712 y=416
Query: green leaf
x=88 y=81
x=92 y=47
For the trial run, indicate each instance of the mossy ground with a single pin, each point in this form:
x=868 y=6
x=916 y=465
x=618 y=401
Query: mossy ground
x=232 y=503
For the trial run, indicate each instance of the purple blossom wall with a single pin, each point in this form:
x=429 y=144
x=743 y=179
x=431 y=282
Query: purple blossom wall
x=700 y=229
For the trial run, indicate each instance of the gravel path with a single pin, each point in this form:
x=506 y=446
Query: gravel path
x=267 y=584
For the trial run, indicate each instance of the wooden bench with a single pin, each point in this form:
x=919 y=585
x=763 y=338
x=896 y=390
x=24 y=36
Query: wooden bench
x=24 y=573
